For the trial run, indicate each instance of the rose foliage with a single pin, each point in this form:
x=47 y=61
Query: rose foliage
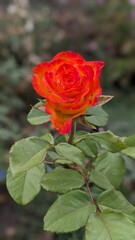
x=86 y=168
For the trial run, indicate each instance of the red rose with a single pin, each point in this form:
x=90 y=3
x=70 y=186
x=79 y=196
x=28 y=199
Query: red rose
x=70 y=85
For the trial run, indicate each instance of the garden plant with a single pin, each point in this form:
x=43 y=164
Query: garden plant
x=83 y=164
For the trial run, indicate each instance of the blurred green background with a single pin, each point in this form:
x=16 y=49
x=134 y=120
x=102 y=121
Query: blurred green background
x=32 y=31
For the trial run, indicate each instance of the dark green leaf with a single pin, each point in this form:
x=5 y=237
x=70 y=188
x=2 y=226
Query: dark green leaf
x=62 y=180
x=69 y=212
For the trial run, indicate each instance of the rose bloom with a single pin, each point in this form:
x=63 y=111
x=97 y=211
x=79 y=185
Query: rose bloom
x=70 y=85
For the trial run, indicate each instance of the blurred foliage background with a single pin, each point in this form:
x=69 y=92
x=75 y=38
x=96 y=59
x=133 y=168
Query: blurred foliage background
x=32 y=31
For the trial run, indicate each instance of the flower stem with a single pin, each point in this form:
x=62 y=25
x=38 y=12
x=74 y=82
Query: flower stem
x=73 y=130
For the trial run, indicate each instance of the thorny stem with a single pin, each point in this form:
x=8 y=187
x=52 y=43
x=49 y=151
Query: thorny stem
x=73 y=130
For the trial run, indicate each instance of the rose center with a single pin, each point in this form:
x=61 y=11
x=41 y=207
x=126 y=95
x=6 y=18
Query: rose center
x=67 y=76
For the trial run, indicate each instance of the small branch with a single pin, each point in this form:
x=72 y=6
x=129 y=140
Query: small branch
x=88 y=190
x=73 y=130
x=47 y=162
x=90 y=194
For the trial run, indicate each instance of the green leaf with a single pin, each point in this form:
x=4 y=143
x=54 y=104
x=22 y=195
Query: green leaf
x=36 y=116
x=48 y=137
x=108 y=141
x=130 y=152
x=88 y=147
x=97 y=116
x=53 y=155
x=111 y=165
x=24 y=187
x=69 y=212
x=80 y=135
x=62 y=180
x=60 y=138
x=116 y=201
x=109 y=225
x=27 y=153
x=130 y=141
x=71 y=153
x=57 y=158
x=100 y=180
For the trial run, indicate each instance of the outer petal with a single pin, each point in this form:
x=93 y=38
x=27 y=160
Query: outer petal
x=62 y=124
x=97 y=66
x=37 y=79
x=69 y=56
x=67 y=110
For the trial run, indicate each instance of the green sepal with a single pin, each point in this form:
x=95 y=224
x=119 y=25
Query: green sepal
x=103 y=99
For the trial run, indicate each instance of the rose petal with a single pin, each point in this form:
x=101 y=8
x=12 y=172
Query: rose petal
x=68 y=56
